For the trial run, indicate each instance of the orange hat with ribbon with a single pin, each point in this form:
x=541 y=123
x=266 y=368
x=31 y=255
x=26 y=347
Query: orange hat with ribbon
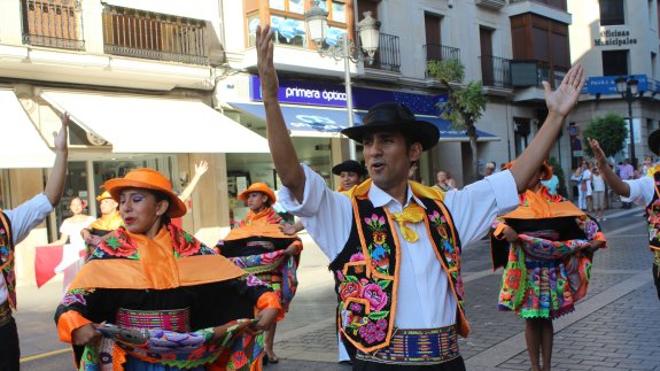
x=149 y=179
x=258 y=187
x=545 y=168
x=103 y=196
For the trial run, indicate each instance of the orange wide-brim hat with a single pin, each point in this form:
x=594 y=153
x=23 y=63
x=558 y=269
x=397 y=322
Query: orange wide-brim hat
x=103 y=196
x=545 y=168
x=149 y=179
x=258 y=187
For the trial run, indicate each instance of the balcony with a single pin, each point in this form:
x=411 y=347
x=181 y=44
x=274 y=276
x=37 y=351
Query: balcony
x=140 y=34
x=558 y=4
x=53 y=24
x=438 y=52
x=532 y=73
x=495 y=71
x=388 y=56
x=491 y=4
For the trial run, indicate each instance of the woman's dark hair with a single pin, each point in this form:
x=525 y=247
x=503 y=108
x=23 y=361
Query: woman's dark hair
x=161 y=196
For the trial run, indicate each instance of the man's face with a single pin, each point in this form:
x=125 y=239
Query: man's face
x=108 y=206
x=388 y=159
x=349 y=179
x=489 y=170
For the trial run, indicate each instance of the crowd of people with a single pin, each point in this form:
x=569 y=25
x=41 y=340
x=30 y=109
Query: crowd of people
x=149 y=296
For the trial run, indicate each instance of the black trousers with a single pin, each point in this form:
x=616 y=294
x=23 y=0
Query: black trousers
x=9 y=350
x=456 y=364
x=656 y=278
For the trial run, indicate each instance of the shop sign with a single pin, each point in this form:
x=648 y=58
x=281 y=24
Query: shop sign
x=312 y=93
x=614 y=38
x=607 y=84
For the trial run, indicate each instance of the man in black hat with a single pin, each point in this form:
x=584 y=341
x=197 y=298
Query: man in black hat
x=643 y=191
x=350 y=173
x=395 y=245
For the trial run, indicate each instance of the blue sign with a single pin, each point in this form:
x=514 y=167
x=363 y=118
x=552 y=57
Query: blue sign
x=607 y=84
x=334 y=95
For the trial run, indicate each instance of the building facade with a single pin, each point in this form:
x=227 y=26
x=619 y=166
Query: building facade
x=137 y=78
x=612 y=39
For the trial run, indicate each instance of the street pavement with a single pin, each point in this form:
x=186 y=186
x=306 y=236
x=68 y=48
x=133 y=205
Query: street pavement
x=615 y=327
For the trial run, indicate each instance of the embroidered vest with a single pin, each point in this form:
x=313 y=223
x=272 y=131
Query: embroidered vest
x=653 y=218
x=367 y=269
x=7 y=259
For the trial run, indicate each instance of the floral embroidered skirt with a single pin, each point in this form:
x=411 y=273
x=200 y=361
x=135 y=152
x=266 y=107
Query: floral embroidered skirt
x=535 y=288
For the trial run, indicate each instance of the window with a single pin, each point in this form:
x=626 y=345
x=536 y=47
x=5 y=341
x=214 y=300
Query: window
x=253 y=22
x=615 y=62
x=611 y=12
x=654 y=61
x=288 y=31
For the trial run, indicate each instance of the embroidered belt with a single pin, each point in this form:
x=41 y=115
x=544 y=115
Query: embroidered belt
x=5 y=313
x=177 y=320
x=417 y=347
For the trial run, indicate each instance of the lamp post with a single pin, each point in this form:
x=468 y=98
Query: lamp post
x=629 y=90
x=316 y=20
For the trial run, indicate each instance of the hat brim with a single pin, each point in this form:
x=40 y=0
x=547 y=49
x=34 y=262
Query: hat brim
x=654 y=142
x=423 y=132
x=338 y=169
x=176 y=209
x=270 y=194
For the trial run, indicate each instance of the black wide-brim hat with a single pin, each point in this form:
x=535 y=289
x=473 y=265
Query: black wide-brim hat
x=349 y=165
x=654 y=142
x=391 y=117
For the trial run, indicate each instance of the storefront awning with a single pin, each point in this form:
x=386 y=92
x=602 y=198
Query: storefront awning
x=144 y=124
x=304 y=121
x=450 y=134
x=22 y=144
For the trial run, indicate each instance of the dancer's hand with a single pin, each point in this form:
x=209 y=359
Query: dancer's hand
x=85 y=335
x=562 y=100
x=510 y=234
x=599 y=155
x=289 y=229
x=60 y=141
x=267 y=72
x=220 y=331
x=266 y=318
x=201 y=168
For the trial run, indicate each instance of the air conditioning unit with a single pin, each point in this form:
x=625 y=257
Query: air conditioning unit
x=492 y=4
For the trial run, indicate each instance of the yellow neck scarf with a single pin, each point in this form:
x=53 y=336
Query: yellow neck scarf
x=413 y=213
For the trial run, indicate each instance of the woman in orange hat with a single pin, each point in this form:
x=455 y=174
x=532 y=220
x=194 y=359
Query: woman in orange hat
x=546 y=247
x=108 y=222
x=258 y=246
x=147 y=299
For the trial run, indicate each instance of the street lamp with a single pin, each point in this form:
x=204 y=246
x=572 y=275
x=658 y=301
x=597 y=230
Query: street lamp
x=368 y=28
x=629 y=90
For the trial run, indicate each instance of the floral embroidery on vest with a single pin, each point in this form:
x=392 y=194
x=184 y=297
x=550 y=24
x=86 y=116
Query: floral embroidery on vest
x=7 y=260
x=366 y=272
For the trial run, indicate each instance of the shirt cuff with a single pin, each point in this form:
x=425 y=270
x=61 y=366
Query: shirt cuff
x=505 y=191
x=68 y=322
x=310 y=203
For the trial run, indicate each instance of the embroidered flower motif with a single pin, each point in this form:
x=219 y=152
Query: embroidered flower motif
x=185 y=244
x=357 y=257
x=349 y=290
x=375 y=295
x=379 y=237
x=375 y=222
x=513 y=278
x=119 y=245
x=340 y=275
x=76 y=296
x=252 y=281
x=371 y=333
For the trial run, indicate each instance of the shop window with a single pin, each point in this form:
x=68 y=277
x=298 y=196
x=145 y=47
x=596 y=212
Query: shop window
x=611 y=12
x=615 y=62
x=293 y=6
x=288 y=31
x=253 y=22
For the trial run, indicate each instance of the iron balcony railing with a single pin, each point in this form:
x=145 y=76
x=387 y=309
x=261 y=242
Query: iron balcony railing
x=438 y=52
x=141 y=34
x=388 y=56
x=525 y=73
x=495 y=71
x=52 y=23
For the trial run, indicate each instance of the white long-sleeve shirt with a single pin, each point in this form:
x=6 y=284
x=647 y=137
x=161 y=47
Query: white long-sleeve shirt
x=22 y=219
x=424 y=300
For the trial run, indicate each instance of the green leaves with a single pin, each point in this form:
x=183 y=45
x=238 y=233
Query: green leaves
x=610 y=131
x=378 y=315
x=446 y=71
x=384 y=284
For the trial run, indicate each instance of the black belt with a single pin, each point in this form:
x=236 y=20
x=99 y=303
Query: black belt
x=5 y=313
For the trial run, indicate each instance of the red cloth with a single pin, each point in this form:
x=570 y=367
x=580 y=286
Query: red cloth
x=45 y=261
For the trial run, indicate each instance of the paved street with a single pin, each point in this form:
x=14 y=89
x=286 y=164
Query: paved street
x=615 y=327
